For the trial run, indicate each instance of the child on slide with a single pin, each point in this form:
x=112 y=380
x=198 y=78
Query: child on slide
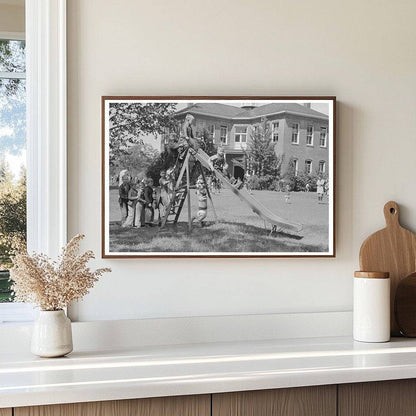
x=218 y=162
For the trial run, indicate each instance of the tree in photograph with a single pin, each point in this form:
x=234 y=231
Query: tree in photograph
x=261 y=160
x=298 y=180
x=207 y=140
x=137 y=160
x=260 y=154
x=289 y=177
x=129 y=121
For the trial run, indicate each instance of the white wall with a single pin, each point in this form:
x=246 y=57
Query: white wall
x=361 y=51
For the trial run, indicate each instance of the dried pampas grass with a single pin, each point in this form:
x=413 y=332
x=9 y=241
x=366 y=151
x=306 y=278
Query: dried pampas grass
x=53 y=285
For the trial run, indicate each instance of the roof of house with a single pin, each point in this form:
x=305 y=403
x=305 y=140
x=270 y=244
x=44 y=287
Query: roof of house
x=212 y=109
x=231 y=111
x=273 y=108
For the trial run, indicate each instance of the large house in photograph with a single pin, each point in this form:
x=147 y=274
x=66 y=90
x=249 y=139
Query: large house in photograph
x=299 y=133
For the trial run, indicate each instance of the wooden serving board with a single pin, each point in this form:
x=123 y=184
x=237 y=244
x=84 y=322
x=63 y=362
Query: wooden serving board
x=393 y=250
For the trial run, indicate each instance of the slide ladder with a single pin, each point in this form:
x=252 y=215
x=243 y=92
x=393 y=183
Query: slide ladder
x=174 y=208
x=263 y=212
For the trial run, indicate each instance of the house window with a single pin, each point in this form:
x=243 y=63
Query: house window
x=322 y=137
x=211 y=130
x=12 y=155
x=45 y=138
x=308 y=167
x=309 y=135
x=275 y=131
x=224 y=134
x=241 y=134
x=322 y=166
x=296 y=166
x=295 y=133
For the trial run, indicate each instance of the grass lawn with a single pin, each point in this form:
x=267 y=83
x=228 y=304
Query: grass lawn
x=238 y=230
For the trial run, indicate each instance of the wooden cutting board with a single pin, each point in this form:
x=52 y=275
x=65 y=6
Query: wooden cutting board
x=393 y=250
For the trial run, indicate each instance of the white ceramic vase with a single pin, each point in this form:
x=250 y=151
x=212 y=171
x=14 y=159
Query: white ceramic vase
x=52 y=334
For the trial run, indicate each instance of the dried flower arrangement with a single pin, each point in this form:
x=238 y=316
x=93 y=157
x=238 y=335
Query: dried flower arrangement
x=53 y=285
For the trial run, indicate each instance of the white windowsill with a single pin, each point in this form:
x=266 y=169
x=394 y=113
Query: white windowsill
x=16 y=313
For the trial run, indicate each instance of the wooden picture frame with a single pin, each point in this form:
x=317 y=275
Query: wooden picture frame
x=218 y=176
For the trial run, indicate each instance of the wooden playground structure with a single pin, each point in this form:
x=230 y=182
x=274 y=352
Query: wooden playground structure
x=198 y=160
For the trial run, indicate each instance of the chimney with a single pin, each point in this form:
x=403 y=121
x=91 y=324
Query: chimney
x=307 y=105
x=248 y=106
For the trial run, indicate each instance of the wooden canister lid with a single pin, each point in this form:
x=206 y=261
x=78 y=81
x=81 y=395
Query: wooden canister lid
x=372 y=275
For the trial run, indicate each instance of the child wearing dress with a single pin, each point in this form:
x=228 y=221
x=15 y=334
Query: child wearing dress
x=320 y=188
x=133 y=196
x=140 y=205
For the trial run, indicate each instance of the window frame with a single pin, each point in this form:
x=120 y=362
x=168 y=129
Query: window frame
x=46 y=137
x=296 y=165
x=297 y=133
x=275 y=132
x=309 y=135
x=212 y=133
x=308 y=162
x=322 y=163
x=17 y=312
x=240 y=135
x=325 y=138
x=226 y=135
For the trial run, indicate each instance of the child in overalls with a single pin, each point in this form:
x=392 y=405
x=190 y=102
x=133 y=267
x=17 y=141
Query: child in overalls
x=202 y=206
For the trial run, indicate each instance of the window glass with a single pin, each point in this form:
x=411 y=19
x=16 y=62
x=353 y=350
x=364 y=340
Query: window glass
x=12 y=56
x=241 y=134
x=275 y=128
x=322 y=137
x=12 y=156
x=295 y=133
x=308 y=167
x=296 y=166
x=309 y=136
x=223 y=134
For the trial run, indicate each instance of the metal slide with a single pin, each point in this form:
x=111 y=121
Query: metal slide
x=258 y=208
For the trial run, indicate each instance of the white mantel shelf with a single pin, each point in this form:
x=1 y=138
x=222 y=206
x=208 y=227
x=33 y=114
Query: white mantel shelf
x=152 y=371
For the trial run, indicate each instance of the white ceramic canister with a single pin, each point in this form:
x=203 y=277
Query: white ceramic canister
x=371 y=307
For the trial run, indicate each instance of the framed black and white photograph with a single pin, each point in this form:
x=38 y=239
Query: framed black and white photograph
x=218 y=176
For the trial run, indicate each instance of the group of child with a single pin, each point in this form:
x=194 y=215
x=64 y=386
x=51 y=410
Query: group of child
x=322 y=189
x=136 y=200
x=139 y=200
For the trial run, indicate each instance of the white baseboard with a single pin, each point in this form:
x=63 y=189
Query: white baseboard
x=169 y=331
